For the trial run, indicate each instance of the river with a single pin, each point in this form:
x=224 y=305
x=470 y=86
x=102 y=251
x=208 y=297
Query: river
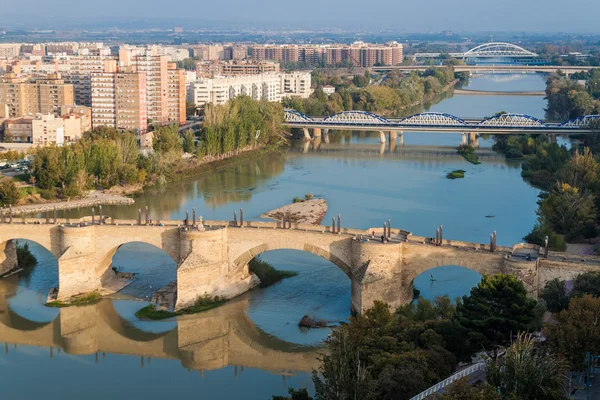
x=251 y=348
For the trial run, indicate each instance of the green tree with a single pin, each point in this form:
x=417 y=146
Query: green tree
x=496 y=310
x=555 y=295
x=300 y=394
x=167 y=140
x=9 y=192
x=527 y=373
x=587 y=283
x=462 y=390
x=190 y=109
x=576 y=331
x=570 y=212
x=538 y=236
x=189 y=145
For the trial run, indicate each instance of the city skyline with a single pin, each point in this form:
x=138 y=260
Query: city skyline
x=533 y=16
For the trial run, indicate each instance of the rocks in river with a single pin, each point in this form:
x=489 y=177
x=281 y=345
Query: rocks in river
x=308 y=322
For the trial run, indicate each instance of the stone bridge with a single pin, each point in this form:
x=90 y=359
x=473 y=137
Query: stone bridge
x=214 y=261
x=211 y=340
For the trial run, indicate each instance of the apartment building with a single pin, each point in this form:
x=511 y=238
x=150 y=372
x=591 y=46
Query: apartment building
x=358 y=54
x=79 y=73
x=176 y=94
x=46 y=129
x=30 y=96
x=10 y=50
x=296 y=84
x=220 y=90
x=156 y=71
x=18 y=130
x=234 y=68
x=268 y=86
x=119 y=100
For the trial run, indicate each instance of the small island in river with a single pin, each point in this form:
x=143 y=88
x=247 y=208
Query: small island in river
x=303 y=212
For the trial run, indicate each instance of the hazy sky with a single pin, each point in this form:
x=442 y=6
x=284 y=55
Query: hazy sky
x=413 y=15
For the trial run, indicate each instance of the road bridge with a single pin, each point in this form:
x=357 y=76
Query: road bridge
x=471 y=92
x=212 y=259
x=501 y=124
x=548 y=69
x=211 y=340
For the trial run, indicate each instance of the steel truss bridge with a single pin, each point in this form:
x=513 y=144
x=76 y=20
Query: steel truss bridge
x=433 y=121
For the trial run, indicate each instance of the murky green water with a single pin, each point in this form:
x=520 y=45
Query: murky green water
x=252 y=347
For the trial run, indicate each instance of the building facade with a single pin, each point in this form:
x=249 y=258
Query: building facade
x=27 y=96
x=119 y=100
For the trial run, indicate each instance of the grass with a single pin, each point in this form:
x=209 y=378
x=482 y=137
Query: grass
x=203 y=303
x=468 y=154
x=266 y=273
x=458 y=174
x=77 y=300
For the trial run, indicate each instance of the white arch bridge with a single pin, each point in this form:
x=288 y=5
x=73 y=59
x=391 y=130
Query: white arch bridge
x=499 y=52
x=508 y=123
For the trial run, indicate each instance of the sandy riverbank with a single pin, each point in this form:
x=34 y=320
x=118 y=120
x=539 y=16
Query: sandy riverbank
x=305 y=212
x=93 y=198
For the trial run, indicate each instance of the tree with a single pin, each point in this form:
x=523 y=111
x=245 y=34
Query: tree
x=496 y=310
x=9 y=192
x=576 y=331
x=528 y=373
x=538 y=236
x=300 y=394
x=555 y=295
x=189 y=145
x=167 y=140
x=587 y=283
x=190 y=109
x=570 y=212
x=462 y=390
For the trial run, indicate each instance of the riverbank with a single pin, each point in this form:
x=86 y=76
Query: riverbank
x=303 y=212
x=93 y=198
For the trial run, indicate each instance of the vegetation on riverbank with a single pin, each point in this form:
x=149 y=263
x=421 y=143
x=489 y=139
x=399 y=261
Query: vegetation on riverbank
x=106 y=157
x=396 y=92
x=569 y=99
x=267 y=274
x=76 y=301
x=382 y=354
x=203 y=303
x=457 y=174
x=25 y=258
x=468 y=153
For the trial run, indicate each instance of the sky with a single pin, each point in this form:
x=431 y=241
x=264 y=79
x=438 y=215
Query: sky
x=400 y=15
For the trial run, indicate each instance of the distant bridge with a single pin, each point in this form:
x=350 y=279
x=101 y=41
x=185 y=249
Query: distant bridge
x=509 y=123
x=566 y=69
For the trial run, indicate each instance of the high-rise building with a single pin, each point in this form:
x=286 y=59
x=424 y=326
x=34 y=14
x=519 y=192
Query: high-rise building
x=119 y=100
x=9 y=50
x=25 y=96
x=155 y=69
x=176 y=93
x=80 y=71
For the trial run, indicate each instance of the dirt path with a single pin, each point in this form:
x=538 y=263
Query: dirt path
x=93 y=198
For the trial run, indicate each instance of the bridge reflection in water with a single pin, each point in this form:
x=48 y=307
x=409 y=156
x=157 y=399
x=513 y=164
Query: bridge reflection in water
x=212 y=340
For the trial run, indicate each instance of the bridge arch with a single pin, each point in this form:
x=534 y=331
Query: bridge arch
x=499 y=49
x=513 y=120
x=356 y=117
x=432 y=118
x=581 y=122
x=244 y=258
x=296 y=116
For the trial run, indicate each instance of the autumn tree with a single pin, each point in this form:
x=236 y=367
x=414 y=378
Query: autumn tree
x=576 y=331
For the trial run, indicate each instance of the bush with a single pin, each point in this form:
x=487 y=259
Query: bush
x=308 y=196
x=298 y=200
x=538 y=235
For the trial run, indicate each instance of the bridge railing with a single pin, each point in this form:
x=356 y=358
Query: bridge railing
x=480 y=366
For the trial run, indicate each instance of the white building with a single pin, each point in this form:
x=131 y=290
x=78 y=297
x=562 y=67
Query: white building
x=219 y=90
x=270 y=86
x=296 y=84
x=328 y=90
